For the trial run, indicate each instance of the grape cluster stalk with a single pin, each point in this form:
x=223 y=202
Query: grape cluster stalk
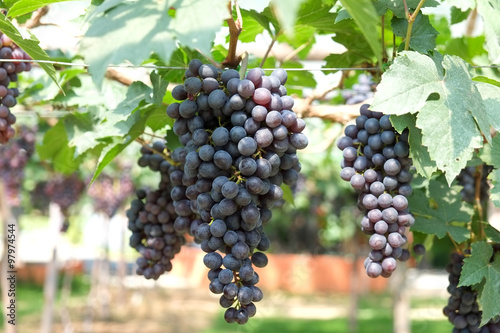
x=8 y=75
x=462 y=309
x=239 y=141
x=377 y=165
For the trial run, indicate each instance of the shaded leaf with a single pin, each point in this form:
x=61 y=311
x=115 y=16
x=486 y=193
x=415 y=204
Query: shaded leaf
x=423 y=34
x=440 y=211
x=477 y=269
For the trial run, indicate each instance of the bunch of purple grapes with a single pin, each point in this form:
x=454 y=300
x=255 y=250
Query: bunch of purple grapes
x=8 y=74
x=13 y=159
x=64 y=190
x=360 y=91
x=377 y=165
x=467 y=178
x=109 y=193
x=462 y=309
x=153 y=218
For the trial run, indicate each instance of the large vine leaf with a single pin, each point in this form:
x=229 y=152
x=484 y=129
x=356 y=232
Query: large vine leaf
x=490 y=12
x=440 y=211
x=22 y=7
x=367 y=19
x=423 y=34
x=449 y=105
x=29 y=45
x=107 y=42
x=477 y=269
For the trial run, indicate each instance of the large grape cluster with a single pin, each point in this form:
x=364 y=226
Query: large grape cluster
x=467 y=178
x=462 y=309
x=13 y=158
x=8 y=74
x=376 y=163
x=152 y=217
x=240 y=138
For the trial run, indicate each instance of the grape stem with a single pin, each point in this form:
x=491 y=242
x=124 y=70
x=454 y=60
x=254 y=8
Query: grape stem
x=235 y=27
x=275 y=37
x=478 y=205
x=411 y=19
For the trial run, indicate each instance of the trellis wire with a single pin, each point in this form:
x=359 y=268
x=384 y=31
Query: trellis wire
x=325 y=69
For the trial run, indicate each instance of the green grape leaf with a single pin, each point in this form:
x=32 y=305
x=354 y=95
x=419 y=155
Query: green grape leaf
x=423 y=34
x=490 y=97
x=288 y=194
x=133 y=127
x=286 y=13
x=251 y=26
x=419 y=154
x=495 y=191
x=173 y=140
x=159 y=88
x=465 y=47
x=490 y=153
x=367 y=20
x=441 y=211
x=29 y=45
x=458 y=15
x=492 y=233
x=490 y=13
x=397 y=6
x=22 y=7
x=314 y=14
x=436 y=89
x=55 y=148
x=106 y=42
x=479 y=270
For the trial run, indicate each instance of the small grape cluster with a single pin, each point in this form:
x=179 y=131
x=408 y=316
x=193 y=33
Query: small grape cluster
x=462 y=309
x=13 y=159
x=467 y=178
x=360 y=91
x=64 y=190
x=377 y=165
x=152 y=216
x=240 y=139
x=108 y=193
x=8 y=74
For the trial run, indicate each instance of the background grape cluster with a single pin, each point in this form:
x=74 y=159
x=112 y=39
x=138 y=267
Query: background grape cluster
x=467 y=178
x=462 y=309
x=8 y=74
x=109 y=193
x=360 y=91
x=377 y=165
x=152 y=216
x=239 y=140
x=13 y=159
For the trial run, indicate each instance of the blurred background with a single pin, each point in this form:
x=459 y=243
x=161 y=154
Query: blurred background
x=76 y=272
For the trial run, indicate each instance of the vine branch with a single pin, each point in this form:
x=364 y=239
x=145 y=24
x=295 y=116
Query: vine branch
x=411 y=19
x=235 y=28
x=275 y=37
